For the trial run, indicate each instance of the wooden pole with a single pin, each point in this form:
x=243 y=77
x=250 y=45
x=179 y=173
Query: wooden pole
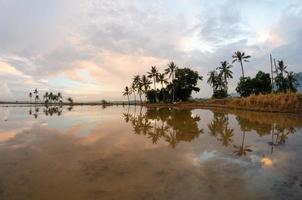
x=272 y=71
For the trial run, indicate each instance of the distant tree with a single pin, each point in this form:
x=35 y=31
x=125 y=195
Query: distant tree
x=70 y=100
x=30 y=96
x=171 y=72
x=36 y=95
x=240 y=57
x=59 y=97
x=45 y=97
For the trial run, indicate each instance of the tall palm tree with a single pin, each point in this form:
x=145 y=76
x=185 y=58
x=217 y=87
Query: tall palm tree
x=154 y=74
x=137 y=84
x=282 y=67
x=240 y=57
x=127 y=92
x=162 y=79
x=133 y=90
x=225 y=72
x=171 y=71
x=212 y=80
x=146 y=83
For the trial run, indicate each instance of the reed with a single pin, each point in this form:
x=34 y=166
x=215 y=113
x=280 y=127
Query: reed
x=278 y=102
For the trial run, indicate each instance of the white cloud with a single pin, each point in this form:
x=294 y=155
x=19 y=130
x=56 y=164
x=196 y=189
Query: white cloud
x=101 y=44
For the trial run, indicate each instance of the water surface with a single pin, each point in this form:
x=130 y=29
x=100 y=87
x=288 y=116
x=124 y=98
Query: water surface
x=92 y=152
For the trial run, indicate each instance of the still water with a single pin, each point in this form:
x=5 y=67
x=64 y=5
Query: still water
x=92 y=152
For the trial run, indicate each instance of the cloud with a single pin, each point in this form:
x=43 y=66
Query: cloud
x=101 y=44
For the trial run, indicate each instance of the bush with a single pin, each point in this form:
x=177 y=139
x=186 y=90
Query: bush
x=261 y=84
x=220 y=94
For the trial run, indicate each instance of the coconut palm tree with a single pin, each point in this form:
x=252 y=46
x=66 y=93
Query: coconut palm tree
x=133 y=89
x=213 y=80
x=162 y=79
x=127 y=92
x=282 y=67
x=154 y=74
x=146 y=83
x=225 y=72
x=171 y=72
x=240 y=57
x=137 y=84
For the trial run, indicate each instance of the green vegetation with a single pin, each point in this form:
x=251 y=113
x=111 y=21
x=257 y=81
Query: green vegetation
x=183 y=81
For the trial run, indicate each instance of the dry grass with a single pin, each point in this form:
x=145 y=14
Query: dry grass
x=279 y=102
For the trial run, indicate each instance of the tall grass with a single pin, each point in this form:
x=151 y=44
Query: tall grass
x=269 y=102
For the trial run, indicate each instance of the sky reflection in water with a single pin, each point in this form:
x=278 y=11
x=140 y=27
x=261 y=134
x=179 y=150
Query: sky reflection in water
x=155 y=153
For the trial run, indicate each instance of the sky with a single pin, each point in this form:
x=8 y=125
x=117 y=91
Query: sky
x=91 y=49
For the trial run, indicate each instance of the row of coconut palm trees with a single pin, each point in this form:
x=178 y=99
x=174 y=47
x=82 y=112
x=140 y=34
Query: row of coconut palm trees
x=218 y=78
x=48 y=97
x=141 y=84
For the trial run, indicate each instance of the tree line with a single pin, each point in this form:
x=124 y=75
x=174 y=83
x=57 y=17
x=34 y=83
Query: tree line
x=177 y=84
x=48 y=98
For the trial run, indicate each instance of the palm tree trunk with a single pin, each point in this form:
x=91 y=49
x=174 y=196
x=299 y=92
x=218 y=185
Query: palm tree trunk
x=134 y=98
x=242 y=69
x=128 y=99
x=140 y=97
x=162 y=89
x=155 y=89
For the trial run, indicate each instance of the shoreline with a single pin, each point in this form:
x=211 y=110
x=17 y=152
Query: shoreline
x=193 y=105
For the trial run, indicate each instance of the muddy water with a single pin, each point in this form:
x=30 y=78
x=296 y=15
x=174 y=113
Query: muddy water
x=139 y=153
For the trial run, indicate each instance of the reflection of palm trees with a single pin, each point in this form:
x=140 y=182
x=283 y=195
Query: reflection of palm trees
x=226 y=136
x=172 y=126
x=219 y=127
x=280 y=135
x=242 y=150
x=48 y=111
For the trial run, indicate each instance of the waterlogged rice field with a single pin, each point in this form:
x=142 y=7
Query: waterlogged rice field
x=94 y=152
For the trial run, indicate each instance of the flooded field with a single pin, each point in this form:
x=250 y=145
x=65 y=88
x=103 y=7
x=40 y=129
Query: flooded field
x=92 y=152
